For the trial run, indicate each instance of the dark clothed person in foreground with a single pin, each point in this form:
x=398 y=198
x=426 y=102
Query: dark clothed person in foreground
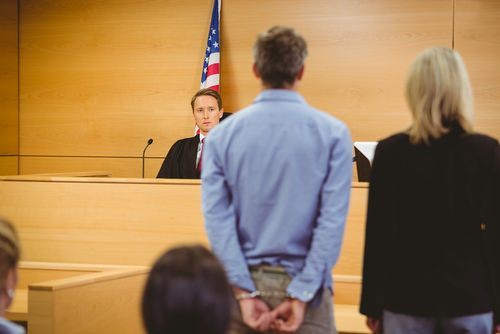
x=432 y=244
x=187 y=292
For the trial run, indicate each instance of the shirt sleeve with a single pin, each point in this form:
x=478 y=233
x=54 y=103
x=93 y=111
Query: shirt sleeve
x=220 y=218
x=328 y=233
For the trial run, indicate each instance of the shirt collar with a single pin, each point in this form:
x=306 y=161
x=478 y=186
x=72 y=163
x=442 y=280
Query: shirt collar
x=279 y=95
x=201 y=136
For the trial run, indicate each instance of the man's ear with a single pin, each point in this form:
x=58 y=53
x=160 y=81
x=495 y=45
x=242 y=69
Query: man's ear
x=301 y=73
x=256 y=71
x=10 y=284
x=12 y=277
x=221 y=111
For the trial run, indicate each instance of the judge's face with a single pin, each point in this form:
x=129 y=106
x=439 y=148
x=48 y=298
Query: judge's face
x=206 y=113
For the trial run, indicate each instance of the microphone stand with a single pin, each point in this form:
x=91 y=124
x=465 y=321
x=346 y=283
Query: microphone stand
x=150 y=141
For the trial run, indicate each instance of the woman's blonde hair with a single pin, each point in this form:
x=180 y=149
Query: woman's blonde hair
x=439 y=94
x=9 y=250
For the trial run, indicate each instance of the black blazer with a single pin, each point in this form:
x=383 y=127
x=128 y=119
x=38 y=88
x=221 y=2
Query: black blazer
x=180 y=162
x=432 y=243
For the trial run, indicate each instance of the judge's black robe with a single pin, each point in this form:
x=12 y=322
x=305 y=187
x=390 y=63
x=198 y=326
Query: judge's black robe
x=180 y=162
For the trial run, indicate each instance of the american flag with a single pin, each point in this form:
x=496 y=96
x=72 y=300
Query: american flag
x=210 y=76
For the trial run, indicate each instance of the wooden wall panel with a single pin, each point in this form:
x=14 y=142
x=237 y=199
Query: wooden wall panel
x=477 y=38
x=79 y=298
x=118 y=167
x=359 y=54
x=8 y=165
x=152 y=167
x=102 y=221
x=101 y=77
x=8 y=78
x=106 y=306
x=126 y=221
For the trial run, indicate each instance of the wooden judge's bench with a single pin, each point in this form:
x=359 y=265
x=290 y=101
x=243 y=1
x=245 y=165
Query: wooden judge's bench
x=88 y=241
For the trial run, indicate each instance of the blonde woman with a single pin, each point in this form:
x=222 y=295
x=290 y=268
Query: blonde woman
x=432 y=233
x=9 y=257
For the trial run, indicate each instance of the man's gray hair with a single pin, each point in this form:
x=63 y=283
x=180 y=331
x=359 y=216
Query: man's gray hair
x=279 y=55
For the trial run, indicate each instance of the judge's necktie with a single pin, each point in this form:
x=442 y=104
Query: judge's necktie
x=201 y=154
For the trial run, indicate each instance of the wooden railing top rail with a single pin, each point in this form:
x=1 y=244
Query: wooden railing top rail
x=96 y=273
x=65 y=283
x=38 y=178
x=95 y=179
x=75 y=174
x=74 y=266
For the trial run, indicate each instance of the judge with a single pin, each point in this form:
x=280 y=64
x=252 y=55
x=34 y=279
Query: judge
x=183 y=159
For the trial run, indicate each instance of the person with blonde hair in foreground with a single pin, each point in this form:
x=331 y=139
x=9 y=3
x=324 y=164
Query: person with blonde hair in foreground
x=9 y=257
x=432 y=247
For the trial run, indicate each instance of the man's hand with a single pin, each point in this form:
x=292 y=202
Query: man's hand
x=496 y=329
x=374 y=324
x=289 y=316
x=256 y=314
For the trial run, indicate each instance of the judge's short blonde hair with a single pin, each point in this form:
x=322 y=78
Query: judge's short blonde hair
x=439 y=94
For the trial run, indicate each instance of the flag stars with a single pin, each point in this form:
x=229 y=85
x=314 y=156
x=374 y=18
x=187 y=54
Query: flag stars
x=211 y=78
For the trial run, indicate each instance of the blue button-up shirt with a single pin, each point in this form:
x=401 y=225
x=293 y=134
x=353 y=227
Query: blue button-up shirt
x=276 y=182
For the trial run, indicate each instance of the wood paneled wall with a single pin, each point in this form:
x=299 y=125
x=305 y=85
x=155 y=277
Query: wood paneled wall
x=8 y=87
x=477 y=38
x=99 y=78
x=359 y=52
x=8 y=165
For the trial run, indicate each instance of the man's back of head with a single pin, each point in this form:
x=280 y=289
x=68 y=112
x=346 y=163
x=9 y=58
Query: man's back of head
x=279 y=55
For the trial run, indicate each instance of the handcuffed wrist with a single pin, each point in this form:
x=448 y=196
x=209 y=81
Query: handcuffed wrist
x=248 y=295
x=290 y=295
x=258 y=293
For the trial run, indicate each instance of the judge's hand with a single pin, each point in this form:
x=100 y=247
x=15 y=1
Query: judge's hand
x=496 y=330
x=374 y=324
x=256 y=314
x=289 y=315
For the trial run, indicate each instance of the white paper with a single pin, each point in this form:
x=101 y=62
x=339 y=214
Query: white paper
x=367 y=148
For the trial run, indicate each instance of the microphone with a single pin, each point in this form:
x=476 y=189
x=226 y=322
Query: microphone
x=150 y=141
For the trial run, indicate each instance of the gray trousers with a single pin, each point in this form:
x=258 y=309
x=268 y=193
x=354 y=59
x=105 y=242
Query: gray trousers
x=395 y=323
x=273 y=281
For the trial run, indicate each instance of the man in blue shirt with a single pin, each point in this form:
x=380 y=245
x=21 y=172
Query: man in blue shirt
x=276 y=182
